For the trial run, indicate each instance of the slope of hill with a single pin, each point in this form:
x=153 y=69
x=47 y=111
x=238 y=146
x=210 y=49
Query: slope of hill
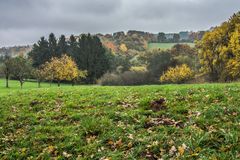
x=195 y=122
x=133 y=41
x=130 y=42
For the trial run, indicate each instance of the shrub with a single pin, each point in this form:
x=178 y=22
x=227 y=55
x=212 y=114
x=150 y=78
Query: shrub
x=110 y=79
x=135 y=78
x=126 y=78
x=179 y=74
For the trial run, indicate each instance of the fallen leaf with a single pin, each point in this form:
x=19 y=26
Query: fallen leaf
x=66 y=155
x=130 y=136
x=130 y=145
x=119 y=143
x=181 y=150
x=173 y=150
x=110 y=142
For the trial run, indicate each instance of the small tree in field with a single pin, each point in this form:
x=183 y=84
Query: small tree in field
x=49 y=72
x=6 y=68
x=63 y=68
x=20 y=69
x=40 y=75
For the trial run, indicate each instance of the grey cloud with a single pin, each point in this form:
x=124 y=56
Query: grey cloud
x=94 y=7
x=24 y=21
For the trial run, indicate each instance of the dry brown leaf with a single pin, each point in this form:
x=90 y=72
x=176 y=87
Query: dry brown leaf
x=119 y=143
x=130 y=145
x=181 y=150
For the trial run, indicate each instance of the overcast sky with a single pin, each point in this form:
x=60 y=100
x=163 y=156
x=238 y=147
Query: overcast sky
x=25 y=21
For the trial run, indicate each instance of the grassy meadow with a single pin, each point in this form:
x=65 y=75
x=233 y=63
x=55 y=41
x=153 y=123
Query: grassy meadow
x=165 y=45
x=14 y=86
x=95 y=122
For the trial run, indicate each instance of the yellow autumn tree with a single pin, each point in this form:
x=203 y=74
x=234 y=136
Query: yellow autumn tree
x=219 y=51
x=123 y=48
x=63 y=68
x=179 y=74
x=212 y=53
x=233 y=65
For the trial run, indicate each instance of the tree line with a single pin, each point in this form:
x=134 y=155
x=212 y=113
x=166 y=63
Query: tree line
x=86 y=50
x=57 y=69
x=176 y=37
x=55 y=60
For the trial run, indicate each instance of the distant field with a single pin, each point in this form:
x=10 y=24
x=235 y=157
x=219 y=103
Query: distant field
x=165 y=45
x=115 y=123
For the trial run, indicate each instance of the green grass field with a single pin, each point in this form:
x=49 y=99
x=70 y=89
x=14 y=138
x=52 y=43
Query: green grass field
x=165 y=45
x=14 y=86
x=95 y=122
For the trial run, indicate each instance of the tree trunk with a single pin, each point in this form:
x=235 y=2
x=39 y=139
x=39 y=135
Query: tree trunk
x=21 y=84
x=58 y=83
x=73 y=82
x=39 y=84
x=7 y=78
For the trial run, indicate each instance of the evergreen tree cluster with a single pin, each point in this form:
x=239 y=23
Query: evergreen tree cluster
x=86 y=50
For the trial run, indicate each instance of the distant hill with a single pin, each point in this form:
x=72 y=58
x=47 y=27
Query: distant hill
x=131 y=42
x=15 y=51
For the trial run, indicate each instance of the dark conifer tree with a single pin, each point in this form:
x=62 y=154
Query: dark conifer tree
x=62 y=46
x=40 y=53
x=73 y=48
x=93 y=57
x=52 y=45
